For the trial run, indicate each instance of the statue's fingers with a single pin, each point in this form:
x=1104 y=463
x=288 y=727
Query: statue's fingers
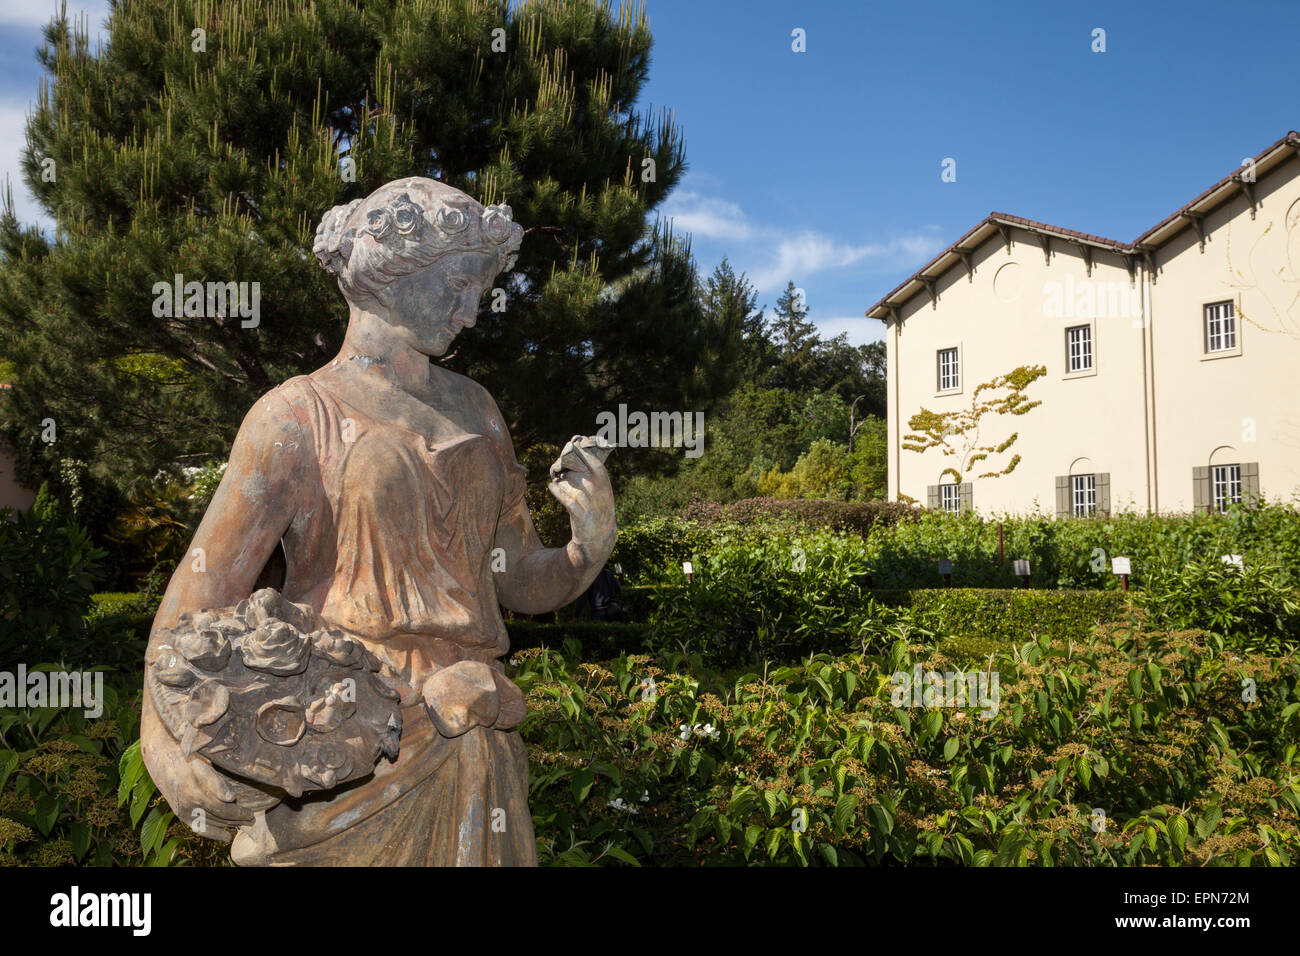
x=213 y=783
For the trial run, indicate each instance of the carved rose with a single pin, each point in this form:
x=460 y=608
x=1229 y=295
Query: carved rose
x=497 y=222
x=208 y=648
x=208 y=703
x=169 y=667
x=267 y=605
x=337 y=647
x=379 y=222
x=451 y=219
x=407 y=215
x=277 y=648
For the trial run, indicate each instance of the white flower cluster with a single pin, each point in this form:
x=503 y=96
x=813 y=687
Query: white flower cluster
x=192 y=471
x=618 y=803
x=649 y=689
x=700 y=730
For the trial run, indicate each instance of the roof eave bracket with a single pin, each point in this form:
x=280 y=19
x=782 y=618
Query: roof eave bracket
x=966 y=261
x=1248 y=188
x=929 y=287
x=1197 y=219
x=1085 y=251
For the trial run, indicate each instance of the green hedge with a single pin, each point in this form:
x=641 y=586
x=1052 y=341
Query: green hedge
x=859 y=517
x=594 y=637
x=903 y=550
x=1007 y=615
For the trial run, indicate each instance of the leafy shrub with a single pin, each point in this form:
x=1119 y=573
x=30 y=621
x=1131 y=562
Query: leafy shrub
x=48 y=571
x=777 y=597
x=694 y=769
x=653 y=550
x=119 y=626
x=1076 y=553
x=62 y=792
x=1253 y=607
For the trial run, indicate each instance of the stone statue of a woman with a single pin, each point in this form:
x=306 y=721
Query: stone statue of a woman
x=393 y=486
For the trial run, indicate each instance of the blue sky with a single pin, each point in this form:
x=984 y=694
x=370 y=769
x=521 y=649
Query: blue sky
x=823 y=167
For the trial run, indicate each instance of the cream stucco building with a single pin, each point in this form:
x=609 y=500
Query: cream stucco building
x=1173 y=361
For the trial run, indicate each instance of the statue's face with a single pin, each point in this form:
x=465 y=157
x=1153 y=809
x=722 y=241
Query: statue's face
x=430 y=307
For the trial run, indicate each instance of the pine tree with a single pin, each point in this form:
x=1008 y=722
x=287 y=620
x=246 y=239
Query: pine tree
x=208 y=138
x=796 y=341
x=731 y=302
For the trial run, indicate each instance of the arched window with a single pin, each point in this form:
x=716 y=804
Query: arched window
x=1082 y=492
x=1225 y=481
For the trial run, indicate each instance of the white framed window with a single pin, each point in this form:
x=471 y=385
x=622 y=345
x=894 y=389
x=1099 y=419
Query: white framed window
x=1225 y=483
x=949 y=498
x=1078 y=348
x=1220 y=327
x=1083 y=495
x=949 y=370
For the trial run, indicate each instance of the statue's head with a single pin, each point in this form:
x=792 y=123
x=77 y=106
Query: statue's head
x=423 y=251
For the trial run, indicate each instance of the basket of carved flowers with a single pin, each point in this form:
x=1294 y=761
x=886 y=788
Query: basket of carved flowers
x=265 y=693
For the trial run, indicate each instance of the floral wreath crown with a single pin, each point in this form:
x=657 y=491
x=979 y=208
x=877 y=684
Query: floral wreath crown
x=403 y=221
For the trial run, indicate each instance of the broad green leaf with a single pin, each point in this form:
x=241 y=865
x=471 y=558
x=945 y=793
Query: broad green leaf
x=581 y=783
x=154 y=830
x=845 y=812
x=47 y=811
x=1178 y=832
x=622 y=856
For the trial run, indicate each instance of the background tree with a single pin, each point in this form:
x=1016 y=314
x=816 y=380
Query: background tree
x=731 y=302
x=214 y=154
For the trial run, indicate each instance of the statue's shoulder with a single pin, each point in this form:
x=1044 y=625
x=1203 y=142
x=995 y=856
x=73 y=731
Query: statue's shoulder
x=455 y=381
x=288 y=405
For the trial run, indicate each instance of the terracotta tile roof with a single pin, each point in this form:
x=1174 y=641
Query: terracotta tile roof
x=1291 y=138
x=1035 y=224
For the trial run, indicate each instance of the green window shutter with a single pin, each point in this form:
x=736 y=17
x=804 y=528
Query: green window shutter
x=1063 y=496
x=965 y=493
x=1250 y=482
x=1103 y=493
x=932 y=497
x=1201 y=498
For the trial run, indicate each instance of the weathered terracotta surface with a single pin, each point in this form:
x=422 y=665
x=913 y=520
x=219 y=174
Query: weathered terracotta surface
x=391 y=482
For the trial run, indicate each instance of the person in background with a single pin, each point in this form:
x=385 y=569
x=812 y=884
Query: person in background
x=600 y=602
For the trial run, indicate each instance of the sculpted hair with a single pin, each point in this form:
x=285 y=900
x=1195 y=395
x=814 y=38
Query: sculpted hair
x=369 y=243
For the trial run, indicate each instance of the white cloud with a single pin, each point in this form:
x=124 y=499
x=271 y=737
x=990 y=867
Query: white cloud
x=710 y=218
x=804 y=254
x=771 y=257
x=860 y=329
x=811 y=252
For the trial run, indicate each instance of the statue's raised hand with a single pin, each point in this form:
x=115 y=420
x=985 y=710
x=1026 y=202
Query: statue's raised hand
x=580 y=482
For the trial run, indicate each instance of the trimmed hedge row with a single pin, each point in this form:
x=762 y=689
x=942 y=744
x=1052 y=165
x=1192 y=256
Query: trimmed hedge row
x=812 y=513
x=596 y=638
x=1007 y=615
x=950 y=613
